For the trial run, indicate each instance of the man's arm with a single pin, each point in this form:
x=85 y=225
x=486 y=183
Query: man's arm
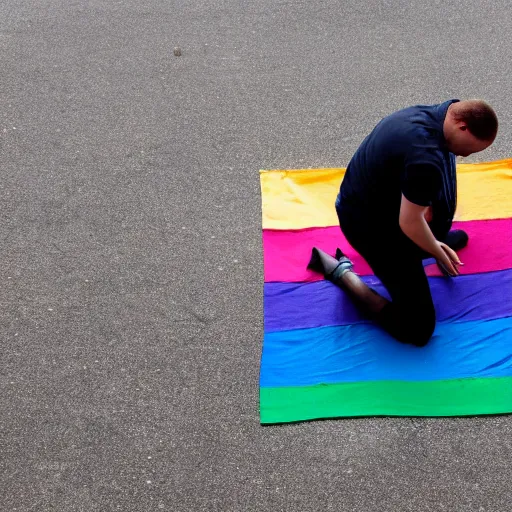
x=414 y=225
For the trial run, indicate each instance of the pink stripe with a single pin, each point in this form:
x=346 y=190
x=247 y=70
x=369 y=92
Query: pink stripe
x=286 y=253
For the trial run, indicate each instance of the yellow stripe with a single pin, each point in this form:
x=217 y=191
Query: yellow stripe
x=304 y=198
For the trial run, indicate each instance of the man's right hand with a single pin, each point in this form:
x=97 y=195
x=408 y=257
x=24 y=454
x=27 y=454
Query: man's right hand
x=447 y=258
x=414 y=225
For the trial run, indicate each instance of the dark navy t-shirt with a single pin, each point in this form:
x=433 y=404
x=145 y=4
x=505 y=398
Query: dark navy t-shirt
x=405 y=154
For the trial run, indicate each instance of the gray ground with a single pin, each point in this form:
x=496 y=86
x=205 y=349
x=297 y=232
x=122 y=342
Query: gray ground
x=131 y=248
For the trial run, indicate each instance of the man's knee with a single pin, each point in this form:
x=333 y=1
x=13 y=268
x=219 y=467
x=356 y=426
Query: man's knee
x=421 y=339
x=418 y=331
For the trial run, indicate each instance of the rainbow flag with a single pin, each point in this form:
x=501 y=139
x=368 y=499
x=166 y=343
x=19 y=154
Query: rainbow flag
x=322 y=359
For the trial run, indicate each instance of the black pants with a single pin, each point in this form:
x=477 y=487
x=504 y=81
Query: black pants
x=398 y=262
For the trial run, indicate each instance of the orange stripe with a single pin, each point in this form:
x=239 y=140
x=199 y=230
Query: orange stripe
x=304 y=198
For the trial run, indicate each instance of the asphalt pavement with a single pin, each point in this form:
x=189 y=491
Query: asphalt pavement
x=132 y=269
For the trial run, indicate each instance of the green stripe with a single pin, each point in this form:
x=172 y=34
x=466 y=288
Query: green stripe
x=457 y=397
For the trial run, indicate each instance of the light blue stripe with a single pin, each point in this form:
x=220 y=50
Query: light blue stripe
x=362 y=352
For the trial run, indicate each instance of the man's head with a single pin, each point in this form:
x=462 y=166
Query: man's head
x=470 y=126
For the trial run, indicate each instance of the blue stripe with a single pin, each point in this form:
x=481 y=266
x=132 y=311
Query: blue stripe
x=363 y=352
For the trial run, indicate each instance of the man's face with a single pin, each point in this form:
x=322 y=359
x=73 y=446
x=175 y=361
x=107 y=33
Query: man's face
x=464 y=143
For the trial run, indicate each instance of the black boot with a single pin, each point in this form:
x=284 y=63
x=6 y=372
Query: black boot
x=339 y=271
x=339 y=254
x=331 y=268
x=456 y=239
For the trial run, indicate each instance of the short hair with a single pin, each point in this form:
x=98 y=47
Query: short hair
x=479 y=116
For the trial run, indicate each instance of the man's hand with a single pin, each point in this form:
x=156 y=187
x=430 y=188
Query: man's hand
x=447 y=260
x=413 y=222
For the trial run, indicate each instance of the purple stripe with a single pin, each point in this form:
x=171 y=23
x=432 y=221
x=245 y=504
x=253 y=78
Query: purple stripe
x=306 y=305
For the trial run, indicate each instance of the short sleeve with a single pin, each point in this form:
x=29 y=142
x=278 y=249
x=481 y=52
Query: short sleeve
x=421 y=183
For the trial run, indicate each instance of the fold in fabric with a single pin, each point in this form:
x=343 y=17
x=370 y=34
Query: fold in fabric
x=304 y=198
x=286 y=253
x=289 y=306
x=364 y=352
